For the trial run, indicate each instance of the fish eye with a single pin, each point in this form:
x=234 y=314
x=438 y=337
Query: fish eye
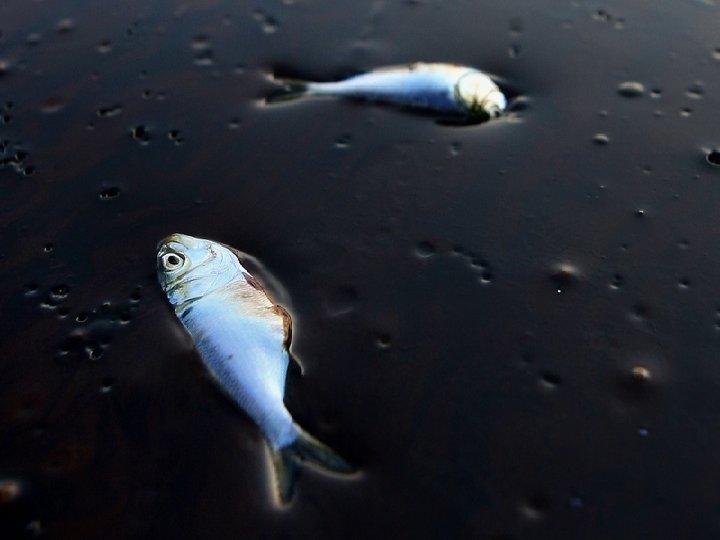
x=172 y=261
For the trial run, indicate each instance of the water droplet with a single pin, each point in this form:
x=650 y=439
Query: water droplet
x=104 y=47
x=141 y=134
x=52 y=105
x=601 y=139
x=341 y=301
x=9 y=491
x=631 y=89
x=713 y=158
x=59 y=293
x=549 y=380
x=343 y=141
x=106 y=385
x=534 y=507
x=65 y=25
x=109 y=111
x=564 y=274
x=695 y=90
x=640 y=375
x=425 y=249
x=109 y=193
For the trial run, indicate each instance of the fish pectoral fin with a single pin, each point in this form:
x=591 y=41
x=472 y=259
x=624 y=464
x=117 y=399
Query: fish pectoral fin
x=305 y=450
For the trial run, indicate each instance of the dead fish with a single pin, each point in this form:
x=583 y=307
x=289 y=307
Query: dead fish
x=243 y=337
x=442 y=88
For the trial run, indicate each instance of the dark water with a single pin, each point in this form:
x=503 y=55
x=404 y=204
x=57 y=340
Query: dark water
x=512 y=329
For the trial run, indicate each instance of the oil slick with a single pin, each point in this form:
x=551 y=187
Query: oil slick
x=243 y=337
x=447 y=89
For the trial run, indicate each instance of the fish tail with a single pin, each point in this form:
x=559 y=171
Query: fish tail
x=288 y=90
x=305 y=450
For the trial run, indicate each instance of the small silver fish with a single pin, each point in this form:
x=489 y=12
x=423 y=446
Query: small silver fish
x=243 y=337
x=443 y=88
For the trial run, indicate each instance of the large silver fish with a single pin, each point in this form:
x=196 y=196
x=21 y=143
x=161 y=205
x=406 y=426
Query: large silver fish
x=243 y=337
x=443 y=88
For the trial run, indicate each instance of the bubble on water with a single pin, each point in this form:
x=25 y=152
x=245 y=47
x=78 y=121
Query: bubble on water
x=425 y=249
x=200 y=42
x=486 y=277
x=268 y=23
x=341 y=301
x=109 y=111
x=104 y=47
x=684 y=283
x=141 y=134
x=174 y=136
x=384 y=341
x=713 y=158
x=656 y=93
x=534 y=507
x=549 y=380
x=631 y=89
x=106 y=385
x=685 y=112
x=65 y=25
x=109 y=193
x=695 y=90
x=58 y=293
x=564 y=274
x=49 y=247
x=31 y=40
x=640 y=213
x=10 y=490
x=81 y=317
x=617 y=281
x=601 y=139
x=53 y=104
x=204 y=58
x=343 y=141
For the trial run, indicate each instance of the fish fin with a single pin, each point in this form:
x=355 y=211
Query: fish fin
x=287 y=90
x=305 y=450
x=284 y=472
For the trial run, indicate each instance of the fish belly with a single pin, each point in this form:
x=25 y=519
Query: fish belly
x=247 y=357
x=413 y=89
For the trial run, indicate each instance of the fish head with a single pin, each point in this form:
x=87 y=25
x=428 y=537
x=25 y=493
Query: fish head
x=480 y=95
x=190 y=267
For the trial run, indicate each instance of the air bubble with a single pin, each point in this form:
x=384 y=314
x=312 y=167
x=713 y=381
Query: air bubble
x=617 y=281
x=174 y=136
x=234 y=123
x=268 y=23
x=631 y=89
x=109 y=111
x=425 y=249
x=685 y=112
x=104 y=47
x=656 y=93
x=65 y=25
x=81 y=317
x=109 y=193
x=48 y=248
x=716 y=53
x=384 y=341
x=52 y=105
x=343 y=141
x=640 y=213
x=695 y=91
x=59 y=292
x=200 y=43
x=534 y=507
x=106 y=385
x=564 y=274
x=684 y=283
x=713 y=158
x=141 y=134
x=601 y=139
x=549 y=380
x=93 y=350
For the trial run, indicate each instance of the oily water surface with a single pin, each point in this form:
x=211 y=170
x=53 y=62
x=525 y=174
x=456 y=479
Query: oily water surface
x=512 y=328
